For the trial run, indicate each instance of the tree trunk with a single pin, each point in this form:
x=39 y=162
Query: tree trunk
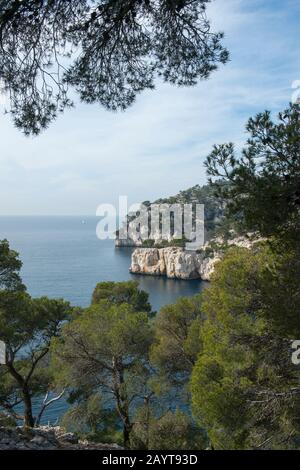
x=146 y=402
x=126 y=434
x=28 y=417
x=122 y=400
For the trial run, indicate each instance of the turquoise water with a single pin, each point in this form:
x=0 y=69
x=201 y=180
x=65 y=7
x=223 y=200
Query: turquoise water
x=62 y=257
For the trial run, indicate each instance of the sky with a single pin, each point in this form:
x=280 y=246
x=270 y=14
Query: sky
x=156 y=148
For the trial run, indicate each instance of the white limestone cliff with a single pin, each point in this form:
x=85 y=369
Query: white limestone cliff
x=178 y=263
x=172 y=262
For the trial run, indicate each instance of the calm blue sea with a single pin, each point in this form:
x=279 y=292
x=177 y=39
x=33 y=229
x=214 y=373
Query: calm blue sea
x=62 y=257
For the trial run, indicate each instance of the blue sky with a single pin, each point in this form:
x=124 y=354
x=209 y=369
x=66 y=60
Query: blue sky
x=156 y=148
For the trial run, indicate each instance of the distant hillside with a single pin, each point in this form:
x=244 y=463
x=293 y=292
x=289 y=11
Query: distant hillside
x=202 y=195
x=213 y=211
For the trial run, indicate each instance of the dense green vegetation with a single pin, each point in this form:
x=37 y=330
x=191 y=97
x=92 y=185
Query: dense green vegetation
x=245 y=387
x=105 y=352
x=215 y=223
x=261 y=186
x=27 y=327
x=122 y=292
x=109 y=360
x=213 y=213
x=113 y=360
x=176 y=242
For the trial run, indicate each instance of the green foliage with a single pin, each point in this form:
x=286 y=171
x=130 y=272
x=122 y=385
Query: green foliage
x=172 y=431
x=27 y=326
x=177 y=431
x=105 y=351
x=148 y=244
x=176 y=344
x=91 y=420
x=213 y=206
x=7 y=421
x=178 y=242
x=26 y=321
x=215 y=223
x=10 y=266
x=262 y=185
x=122 y=292
x=244 y=385
x=102 y=358
x=108 y=51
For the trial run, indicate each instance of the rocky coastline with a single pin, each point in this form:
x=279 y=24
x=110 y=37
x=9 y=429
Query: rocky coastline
x=172 y=262
x=178 y=263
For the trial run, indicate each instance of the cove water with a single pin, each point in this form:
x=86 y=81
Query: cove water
x=63 y=258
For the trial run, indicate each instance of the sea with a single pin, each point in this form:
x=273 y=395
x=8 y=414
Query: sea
x=63 y=258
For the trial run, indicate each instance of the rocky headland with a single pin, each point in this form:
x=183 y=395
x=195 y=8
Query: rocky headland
x=172 y=262
x=178 y=263
x=160 y=256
